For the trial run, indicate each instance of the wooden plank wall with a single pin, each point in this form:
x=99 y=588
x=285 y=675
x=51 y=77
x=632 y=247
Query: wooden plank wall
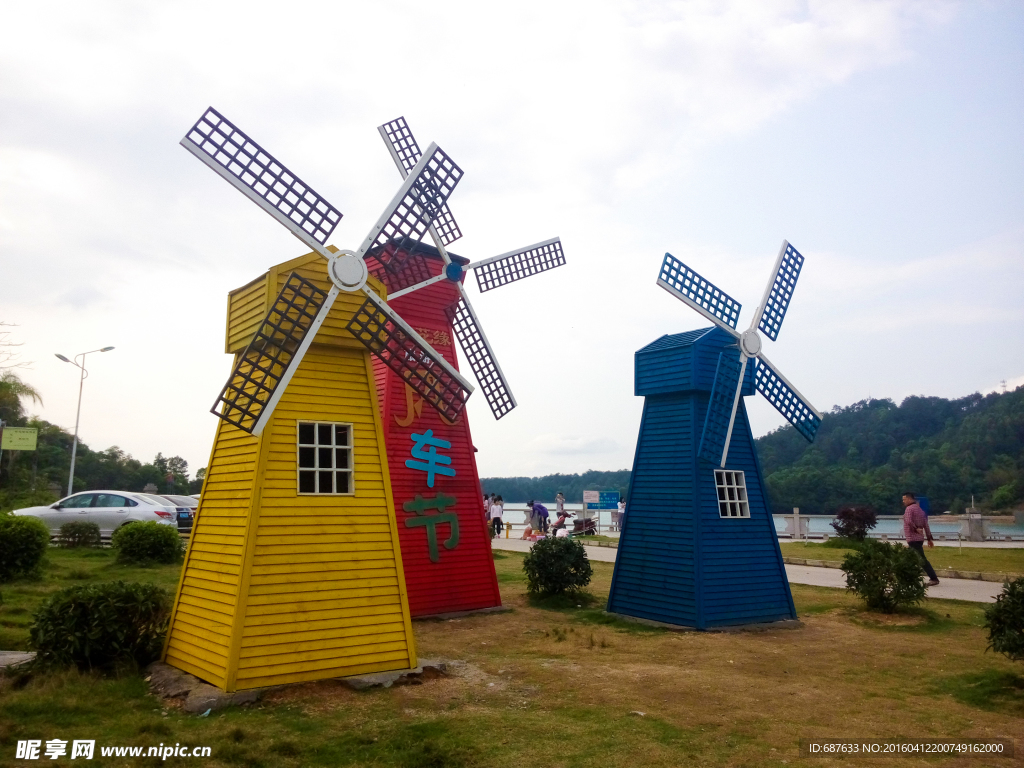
x=655 y=569
x=326 y=595
x=743 y=575
x=463 y=578
x=200 y=631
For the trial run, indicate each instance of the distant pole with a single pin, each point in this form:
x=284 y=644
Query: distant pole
x=78 y=412
x=796 y=523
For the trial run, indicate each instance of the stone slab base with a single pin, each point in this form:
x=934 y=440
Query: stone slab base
x=761 y=627
x=169 y=683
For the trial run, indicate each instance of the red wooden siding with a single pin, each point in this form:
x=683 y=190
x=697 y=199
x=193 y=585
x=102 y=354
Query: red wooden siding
x=463 y=577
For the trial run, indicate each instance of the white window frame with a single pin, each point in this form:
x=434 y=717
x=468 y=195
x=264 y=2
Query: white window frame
x=316 y=446
x=731 y=492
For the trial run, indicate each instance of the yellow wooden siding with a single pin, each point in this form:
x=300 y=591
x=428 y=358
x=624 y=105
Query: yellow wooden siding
x=248 y=305
x=324 y=594
x=246 y=308
x=200 y=631
x=279 y=587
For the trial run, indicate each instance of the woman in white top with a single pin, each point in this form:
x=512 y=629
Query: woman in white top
x=496 y=509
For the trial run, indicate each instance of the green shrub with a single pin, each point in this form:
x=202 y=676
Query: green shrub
x=854 y=521
x=143 y=543
x=79 y=533
x=23 y=543
x=887 y=576
x=1005 y=621
x=101 y=626
x=555 y=566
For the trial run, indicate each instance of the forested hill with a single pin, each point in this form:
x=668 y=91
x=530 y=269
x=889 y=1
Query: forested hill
x=517 y=490
x=867 y=453
x=872 y=451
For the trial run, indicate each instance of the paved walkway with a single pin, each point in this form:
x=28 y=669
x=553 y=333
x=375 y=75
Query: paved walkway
x=951 y=589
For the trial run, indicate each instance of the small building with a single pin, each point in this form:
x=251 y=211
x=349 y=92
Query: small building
x=699 y=547
x=445 y=539
x=294 y=570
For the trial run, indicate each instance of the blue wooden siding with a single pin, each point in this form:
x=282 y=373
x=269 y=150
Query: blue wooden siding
x=655 y=567
x=678 y=560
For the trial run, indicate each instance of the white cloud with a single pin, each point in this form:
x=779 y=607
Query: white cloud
x=569 y=119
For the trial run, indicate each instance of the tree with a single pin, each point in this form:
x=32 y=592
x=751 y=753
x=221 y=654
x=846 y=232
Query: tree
x=12 y=391
x=8 y=356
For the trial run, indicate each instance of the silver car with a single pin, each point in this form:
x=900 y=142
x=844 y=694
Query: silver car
x=108 y=509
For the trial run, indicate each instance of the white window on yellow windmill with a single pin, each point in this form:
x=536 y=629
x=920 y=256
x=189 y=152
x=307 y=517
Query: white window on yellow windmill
x=324 y=455
x=732 y=493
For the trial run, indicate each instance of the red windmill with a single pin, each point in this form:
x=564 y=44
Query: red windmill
x=434 y=479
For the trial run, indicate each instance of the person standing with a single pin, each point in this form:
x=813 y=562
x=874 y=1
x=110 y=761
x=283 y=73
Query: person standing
x=622 y=514
x=497 y=506
x=560 y=504
x=915 y=528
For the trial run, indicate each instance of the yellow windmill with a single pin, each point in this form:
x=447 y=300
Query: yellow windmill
x=294 y=570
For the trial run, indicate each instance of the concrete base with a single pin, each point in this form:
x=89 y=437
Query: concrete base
x=170 y=683
x=462 y=614
x=428 y=668
x=14 y=659
x=762 y=627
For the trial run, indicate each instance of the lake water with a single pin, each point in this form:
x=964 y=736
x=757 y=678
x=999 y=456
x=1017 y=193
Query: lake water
x=816 y=524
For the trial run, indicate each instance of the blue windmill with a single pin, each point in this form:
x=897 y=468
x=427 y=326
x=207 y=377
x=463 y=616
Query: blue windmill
x=699 y=548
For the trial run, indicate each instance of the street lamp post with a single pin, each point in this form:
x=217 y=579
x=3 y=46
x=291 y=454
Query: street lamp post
x=78 y=413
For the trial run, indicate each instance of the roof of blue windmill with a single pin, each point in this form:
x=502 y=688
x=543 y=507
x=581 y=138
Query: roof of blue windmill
x=490 y=273
x=731 y=367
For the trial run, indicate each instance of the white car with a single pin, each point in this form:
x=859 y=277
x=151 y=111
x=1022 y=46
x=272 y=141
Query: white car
x=108 y=509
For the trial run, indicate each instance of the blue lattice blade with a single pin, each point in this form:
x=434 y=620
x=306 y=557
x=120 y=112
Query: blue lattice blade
x=687 y=286
x=720 y=405
x=786 y=399
x=780 y=289
x=405 y=151
x=263 y=179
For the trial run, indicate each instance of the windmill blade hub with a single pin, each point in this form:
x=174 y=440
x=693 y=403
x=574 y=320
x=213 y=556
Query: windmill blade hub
x=750 y=343
x=454 y=272
x=347 y=271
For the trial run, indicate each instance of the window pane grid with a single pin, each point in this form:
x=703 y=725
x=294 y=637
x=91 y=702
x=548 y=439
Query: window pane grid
x=732 y=494
x=324 y=455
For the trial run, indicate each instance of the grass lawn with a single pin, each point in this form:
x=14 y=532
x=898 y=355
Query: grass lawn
x=558 y=683
x=969 y=559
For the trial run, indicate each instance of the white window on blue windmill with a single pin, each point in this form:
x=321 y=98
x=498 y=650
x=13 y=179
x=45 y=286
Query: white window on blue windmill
x=324 y=456
x=732 y=493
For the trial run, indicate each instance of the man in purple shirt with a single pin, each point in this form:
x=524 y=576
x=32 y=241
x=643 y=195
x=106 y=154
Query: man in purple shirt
x=915 y=528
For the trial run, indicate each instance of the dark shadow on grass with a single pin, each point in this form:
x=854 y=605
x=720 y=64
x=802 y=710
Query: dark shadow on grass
x=990 y=690
x=929 y=622
x=567 y=602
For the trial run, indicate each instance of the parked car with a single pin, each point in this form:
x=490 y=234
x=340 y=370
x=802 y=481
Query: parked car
x=186 y=509
x=108 y=509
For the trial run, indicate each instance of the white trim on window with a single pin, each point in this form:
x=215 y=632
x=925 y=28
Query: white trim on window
x=731 y=486
x=323 y=459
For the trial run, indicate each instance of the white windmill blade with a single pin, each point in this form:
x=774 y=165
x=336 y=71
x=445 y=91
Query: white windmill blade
x=263 y=179
x=480 y=355
x=722 y=405
x=421 y=284
x=778 y=390
x=413 y=208
x=262 y=372
x=403 y=350
x=702 y=295
x=779 y=291
x=405 y=151
x=508 y=267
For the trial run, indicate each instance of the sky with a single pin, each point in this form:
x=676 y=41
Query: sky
x=882 y=139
